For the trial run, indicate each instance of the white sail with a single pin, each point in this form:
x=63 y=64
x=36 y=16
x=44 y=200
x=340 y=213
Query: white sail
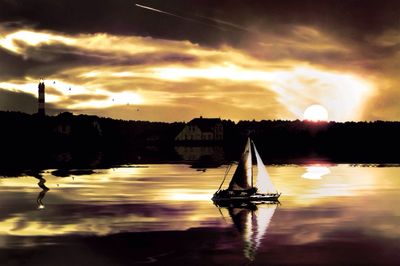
x=263 y=183
x=242 y=178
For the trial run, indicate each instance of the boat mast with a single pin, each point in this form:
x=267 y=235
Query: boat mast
x=251 y=166
x=241 y=179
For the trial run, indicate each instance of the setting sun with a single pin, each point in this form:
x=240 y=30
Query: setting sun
x=316 y=113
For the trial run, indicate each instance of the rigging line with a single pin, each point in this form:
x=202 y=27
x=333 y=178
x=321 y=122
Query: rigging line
x=252 y=175
x=223 y=217
x=226 y=173
x=251 y=167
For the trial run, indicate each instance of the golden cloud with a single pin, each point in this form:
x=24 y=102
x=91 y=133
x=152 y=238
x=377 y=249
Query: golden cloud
x=156 y=74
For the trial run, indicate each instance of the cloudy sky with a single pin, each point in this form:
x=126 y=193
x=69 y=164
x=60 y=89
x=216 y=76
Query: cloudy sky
x=228 y=58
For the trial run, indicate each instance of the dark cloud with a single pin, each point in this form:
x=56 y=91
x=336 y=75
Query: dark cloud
x=14 y=66
x=78 y=56
x=23 y=102
x=43 y=61
x=351 y=18
x=351 y=21
x=46 y=60
x=85 y=97
x=17 y=101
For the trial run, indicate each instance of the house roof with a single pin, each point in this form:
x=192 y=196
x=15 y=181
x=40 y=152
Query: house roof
x=205 y=124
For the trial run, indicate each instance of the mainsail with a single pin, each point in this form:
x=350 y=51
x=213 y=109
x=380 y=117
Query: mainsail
x=263 y=183
x=242 y=178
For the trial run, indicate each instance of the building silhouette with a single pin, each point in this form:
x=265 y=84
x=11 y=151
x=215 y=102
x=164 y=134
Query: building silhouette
x=202 y=129
x=41 y=99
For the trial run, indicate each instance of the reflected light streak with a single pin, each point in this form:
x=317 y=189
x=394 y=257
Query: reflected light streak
x=186 y=195
x=96 y=225
x=343 y=181
x=190 y=197
x=176 y=197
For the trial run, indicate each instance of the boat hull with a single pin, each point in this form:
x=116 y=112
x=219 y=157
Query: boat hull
x=257 y=197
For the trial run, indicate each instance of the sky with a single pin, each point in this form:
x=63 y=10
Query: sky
x=175 y=60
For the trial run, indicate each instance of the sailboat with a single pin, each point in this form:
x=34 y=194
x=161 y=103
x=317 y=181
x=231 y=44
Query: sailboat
x=242 y=186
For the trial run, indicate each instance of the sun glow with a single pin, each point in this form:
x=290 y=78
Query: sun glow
x=316 y=113
x=343 y=94
x=160 y=76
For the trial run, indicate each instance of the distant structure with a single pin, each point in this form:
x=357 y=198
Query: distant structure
x=41 y=100
x=65 y=125
x=202 y=129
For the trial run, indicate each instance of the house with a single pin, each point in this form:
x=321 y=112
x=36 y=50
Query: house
x=202 y=129
x=66 y=125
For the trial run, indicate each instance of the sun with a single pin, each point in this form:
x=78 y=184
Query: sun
x=315 y=113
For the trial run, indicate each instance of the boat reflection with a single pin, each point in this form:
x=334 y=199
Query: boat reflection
x=42 y=193
x=251 y=219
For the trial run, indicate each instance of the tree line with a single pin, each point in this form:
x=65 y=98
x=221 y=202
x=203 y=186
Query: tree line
x=68 y=140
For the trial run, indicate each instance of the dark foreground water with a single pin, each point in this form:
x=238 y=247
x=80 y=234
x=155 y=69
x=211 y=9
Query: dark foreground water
x=162 y=214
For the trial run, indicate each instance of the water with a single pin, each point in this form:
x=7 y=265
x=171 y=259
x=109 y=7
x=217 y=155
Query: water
x=162 y=214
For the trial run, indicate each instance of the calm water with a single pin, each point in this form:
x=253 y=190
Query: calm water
x=162 y=214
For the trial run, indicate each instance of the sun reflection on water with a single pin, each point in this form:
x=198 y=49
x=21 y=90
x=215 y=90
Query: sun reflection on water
x=315 y=172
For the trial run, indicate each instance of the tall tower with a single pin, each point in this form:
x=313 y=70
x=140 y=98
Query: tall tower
x=41 y=102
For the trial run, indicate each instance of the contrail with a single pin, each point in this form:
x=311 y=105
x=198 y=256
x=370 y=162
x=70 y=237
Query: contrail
x=224 y=22
x=158 y=10
x=189 y=19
